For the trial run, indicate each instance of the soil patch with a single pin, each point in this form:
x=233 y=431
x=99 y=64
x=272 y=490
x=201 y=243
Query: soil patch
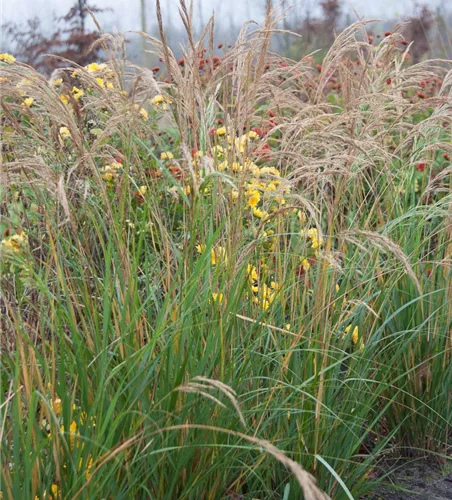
x=417 y=480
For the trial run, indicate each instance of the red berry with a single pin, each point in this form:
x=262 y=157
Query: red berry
x=404 y=42
x=421 y=95
x=318 y=67
x=387 y=33
x=388 y=81
x=181 y=61
x=155 y=69
x=220 y=45
x=446 y=156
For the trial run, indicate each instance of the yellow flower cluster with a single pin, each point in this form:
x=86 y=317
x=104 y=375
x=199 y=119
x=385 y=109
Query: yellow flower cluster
x=111 y=172
x=166 y=155
x=14 y=243
x=143 y=112
x=217 y=297
x=240 y=143
x=78 y=93
x=95 y=67
x=314 y=236
x=161 y=102
x=217 y=255
x=64 y=133
x=355 y=333
x=7 y=58
x=262 y=294
x=28 y=102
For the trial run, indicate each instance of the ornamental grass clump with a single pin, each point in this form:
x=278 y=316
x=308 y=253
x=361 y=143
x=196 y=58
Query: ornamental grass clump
x=227 y=278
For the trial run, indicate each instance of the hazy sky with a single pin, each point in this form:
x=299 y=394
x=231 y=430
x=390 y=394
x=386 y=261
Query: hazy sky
x=126 y=14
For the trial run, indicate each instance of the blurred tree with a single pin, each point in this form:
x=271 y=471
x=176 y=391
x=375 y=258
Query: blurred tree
x=417 y=31
x=71 y=40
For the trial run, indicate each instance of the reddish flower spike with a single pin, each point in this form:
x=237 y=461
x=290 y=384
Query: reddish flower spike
x=421 y=166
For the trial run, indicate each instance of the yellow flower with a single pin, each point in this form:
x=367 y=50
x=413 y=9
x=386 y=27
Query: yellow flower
x=7 y=58
x=55 y=83
x=89 y=465
x=64 y=99
x=200 y=248
x=217 y=151
x=161 y=101
x=166 y=155
x=301 y=217
x=100 y=82
x=73 y=434
x=93 y=67
x=187 y=189
x=254 y=198
x=144 y=113
x=55 y=491
x=217 y=297
x=355 y=333
x=3 y=79
x=265 y=304
x=234 y=195
x=305 y=264
x=78 y=93
x=313 y=235
x=218 y=255
x=110 y=85
x=110 y=172
x=221 y=131
x=257 y=212
x=224 y=165
x=143 y=190
x=252 y=273
x=28 y=102
x=64 y=133
x=57 y=406
x=253 y=135
x=15 y=242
